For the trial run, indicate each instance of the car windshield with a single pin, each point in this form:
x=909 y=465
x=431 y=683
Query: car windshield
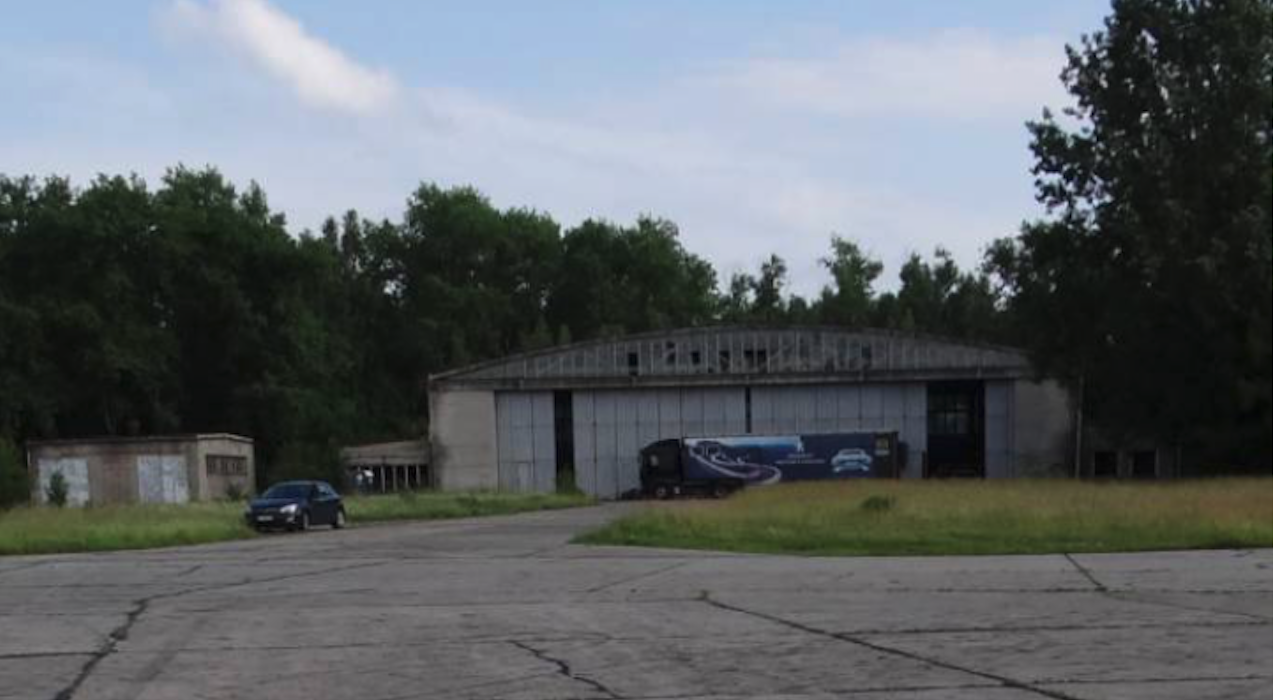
x=288 y=491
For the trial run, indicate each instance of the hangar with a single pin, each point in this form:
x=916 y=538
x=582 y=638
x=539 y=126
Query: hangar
x=581 y=413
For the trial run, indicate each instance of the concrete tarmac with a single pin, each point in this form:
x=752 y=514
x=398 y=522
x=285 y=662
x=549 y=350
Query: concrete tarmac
x=506 y=608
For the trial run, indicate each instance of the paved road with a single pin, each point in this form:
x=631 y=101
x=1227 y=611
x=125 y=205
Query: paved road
x=504 y=608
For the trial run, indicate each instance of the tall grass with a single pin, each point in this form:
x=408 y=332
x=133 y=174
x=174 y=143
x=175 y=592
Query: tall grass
x=971 y=517
x=96 y=529
x=435 y=505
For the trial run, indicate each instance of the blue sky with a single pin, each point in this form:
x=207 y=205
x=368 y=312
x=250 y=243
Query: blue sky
x=758 y=126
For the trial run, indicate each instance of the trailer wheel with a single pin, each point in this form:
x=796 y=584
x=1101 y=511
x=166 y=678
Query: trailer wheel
x=721 y=490
x=663 y=492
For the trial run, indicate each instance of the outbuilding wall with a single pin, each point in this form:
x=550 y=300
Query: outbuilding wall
x=141 y=470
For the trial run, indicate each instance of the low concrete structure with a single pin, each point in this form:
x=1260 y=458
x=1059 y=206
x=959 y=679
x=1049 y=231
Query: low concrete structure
x=391 y=466
x=159 y=469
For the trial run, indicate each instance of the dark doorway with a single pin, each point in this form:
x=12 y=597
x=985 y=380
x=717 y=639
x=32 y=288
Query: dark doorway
x=956 y=430
x=564 y=438
x=1145 y=464
x=1105 y=464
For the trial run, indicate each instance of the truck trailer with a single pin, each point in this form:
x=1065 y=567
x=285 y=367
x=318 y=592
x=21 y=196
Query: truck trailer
x=718 y=466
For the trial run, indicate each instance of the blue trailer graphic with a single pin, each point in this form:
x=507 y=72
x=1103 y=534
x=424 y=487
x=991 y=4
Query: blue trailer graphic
x=716 y=464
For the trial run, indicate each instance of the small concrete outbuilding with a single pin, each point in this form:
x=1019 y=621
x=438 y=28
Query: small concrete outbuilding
x=158 y=469
x=388 y=466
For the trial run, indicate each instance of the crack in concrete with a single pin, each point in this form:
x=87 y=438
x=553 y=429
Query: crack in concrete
x=108 y=647
x=1003 y=681
x=1087 y=574
x=1157 y=681
x=638 y=577
x=1010 y=629
x=111 y=645
x=564 y=669
x=1137 y=596
x=192 y=570
x=1130 y=597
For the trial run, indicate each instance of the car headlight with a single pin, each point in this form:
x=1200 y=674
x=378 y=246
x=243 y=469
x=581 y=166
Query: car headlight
x=289 y=509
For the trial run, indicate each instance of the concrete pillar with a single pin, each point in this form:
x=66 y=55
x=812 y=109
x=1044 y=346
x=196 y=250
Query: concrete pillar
x=462 y=437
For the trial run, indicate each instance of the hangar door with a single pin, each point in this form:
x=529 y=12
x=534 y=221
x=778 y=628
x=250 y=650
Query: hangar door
x=611 y=427
x=846 y=408
x=526 y=450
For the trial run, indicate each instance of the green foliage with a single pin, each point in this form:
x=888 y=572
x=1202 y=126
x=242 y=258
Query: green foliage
x=235 y=493
x=15 y=484
x=308 y=460
x=57 y=491
x=1151 y=281
x=851 y=301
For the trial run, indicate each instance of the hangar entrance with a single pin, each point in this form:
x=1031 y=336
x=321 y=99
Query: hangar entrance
x=564 y=438
x=956 y=430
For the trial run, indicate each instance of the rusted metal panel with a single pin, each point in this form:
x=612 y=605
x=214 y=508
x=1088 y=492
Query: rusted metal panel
x=739 y=352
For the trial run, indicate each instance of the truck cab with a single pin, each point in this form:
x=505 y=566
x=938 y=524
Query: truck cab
x=661 y=475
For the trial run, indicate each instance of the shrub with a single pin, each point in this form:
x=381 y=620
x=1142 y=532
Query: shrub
x=15 y=483
x=57 y=490
x=567 y=484
x=235 y=492
x=879 y=504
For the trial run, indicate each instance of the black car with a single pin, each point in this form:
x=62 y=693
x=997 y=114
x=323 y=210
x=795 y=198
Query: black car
x=297 y=505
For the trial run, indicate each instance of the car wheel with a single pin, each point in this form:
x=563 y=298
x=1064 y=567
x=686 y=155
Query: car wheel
x=662 y=492
x=339 y=523
x=304 y=523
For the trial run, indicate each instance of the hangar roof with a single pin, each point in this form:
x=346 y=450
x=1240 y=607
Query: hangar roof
x=724 y=355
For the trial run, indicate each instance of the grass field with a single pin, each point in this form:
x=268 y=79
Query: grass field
x=967 y=517
x=51 y=530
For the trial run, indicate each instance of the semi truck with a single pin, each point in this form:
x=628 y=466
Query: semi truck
x=718 y=466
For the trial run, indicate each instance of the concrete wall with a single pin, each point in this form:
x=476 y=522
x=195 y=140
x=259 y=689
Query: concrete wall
x=463 y=439
x=1043 y=429
x=162 y=470
x=213 y=486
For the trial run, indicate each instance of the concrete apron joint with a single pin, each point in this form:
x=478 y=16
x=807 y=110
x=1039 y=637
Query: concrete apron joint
x=120 y=634
x=1131 y=597
x=564 y=669
x=1003 y=681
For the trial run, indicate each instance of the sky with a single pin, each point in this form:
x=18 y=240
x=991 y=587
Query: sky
x=757 y=126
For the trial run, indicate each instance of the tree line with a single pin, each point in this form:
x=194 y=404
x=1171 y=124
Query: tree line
x=190 y=307
x=1145 y=286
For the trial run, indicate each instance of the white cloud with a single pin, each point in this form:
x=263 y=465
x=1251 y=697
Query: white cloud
x=749 y=157
x=959 y=74
x=317 y=72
